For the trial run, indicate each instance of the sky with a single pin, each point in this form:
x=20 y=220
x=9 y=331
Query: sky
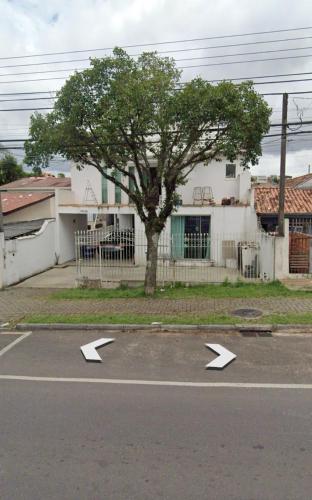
x=32 y=27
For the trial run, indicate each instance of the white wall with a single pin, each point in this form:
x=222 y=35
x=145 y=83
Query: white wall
x=66 y=226
x=306 y=185
x=213 y=175
x=203 y=175
x=80 y=179
x=226 y=223
x=29 y=255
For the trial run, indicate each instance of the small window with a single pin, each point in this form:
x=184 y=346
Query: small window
x=230 y=171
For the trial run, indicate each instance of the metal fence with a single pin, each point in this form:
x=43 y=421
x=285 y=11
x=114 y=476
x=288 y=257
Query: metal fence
x=115 y=255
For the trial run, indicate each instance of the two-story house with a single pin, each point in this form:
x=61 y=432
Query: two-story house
x=215 y=202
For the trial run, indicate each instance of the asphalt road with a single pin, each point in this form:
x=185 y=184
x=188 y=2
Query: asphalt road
x=67 y=431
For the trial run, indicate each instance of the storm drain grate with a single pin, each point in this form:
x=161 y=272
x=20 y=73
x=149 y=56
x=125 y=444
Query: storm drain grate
x=255 y=333
x=247 y=313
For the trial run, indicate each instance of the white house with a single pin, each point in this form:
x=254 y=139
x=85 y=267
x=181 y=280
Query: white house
x=213 y=233
x=215 y=202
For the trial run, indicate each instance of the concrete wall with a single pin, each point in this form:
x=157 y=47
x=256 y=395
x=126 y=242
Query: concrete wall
x=212 y=175
x=29 y=255
x=226 y=223
x=306 y=185
x=44 y=209
x=66 y=226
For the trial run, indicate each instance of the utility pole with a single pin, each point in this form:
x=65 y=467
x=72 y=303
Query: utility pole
x=281 y=204
x=1 y=215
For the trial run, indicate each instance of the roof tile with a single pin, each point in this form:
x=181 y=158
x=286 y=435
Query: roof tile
x=297 y=201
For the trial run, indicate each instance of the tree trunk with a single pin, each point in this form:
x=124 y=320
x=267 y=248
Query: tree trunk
x=151 y=261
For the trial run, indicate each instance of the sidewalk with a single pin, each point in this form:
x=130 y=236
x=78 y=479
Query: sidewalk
x=16 y=303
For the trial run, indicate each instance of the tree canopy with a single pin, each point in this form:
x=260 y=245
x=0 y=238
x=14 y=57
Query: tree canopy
x=125 y=111
x=10 y=170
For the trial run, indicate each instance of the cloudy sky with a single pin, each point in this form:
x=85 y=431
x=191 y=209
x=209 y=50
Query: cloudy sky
x=35 y=28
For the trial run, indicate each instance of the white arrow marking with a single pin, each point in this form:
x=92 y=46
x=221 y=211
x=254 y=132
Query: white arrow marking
x=89 y=350
x=225 y=357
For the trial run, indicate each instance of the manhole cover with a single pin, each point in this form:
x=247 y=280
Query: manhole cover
x=247 y=313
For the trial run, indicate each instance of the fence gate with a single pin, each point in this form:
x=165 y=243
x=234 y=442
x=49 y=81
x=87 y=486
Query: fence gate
x=300 y=254
x=119 y=255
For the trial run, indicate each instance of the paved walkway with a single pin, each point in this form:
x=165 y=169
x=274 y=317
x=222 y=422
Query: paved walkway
x=16 y=302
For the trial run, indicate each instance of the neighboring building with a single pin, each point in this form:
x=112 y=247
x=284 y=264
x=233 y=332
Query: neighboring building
x=301 y=182
x=37 y=198
x=23 y=200
x=298 y=208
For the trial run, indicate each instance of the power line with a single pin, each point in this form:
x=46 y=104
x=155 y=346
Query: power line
x=24 y=109
x=245 y=61
x=300 y=132
x=211 y=47
x=151 y=44
x=66 y=61
x=307 y=122
x=28 y=93
x=179 y=60
x=209 y=81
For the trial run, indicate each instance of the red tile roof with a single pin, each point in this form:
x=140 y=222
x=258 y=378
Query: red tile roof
x=16 y=201
x=297 y=201
x=296 y=181
x=39 y=182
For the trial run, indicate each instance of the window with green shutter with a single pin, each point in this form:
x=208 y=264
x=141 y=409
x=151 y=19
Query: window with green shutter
x=131 y=181
x=117 y=189
x=104 y=189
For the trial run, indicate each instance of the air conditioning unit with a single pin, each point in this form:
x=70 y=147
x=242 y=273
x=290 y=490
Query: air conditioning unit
x=248 y=259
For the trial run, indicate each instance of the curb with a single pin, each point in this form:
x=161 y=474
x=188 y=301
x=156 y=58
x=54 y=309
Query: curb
x=121 y=327
x=261 y=328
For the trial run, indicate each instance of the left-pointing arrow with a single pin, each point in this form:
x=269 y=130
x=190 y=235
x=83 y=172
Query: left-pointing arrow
x=89 y=350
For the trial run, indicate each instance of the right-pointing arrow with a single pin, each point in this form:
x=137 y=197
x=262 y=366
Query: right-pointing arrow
x=225 y=357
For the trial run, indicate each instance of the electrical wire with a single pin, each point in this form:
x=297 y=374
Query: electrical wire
x=179 y=60
x=152 y=44
x=215 y=56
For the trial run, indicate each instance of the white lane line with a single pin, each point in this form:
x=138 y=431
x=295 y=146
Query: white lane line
x=165 y=383
x=10 y=333
x=12 y=344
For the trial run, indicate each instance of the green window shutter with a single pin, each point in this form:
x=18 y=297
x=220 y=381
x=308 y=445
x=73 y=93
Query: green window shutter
x=104 y=190
x=177 y=236
x=131 y=182
x=118 y=189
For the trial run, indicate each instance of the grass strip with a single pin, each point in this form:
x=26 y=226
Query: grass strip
x=219 y=291
x=182 y=319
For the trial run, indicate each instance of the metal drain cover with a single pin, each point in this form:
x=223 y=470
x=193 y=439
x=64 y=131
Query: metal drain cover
x=247 y=313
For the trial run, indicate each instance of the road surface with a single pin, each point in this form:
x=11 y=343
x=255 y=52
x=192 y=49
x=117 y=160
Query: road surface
x=150 y=422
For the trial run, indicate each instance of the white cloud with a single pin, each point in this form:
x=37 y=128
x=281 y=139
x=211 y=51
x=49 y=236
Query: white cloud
x=35 y=26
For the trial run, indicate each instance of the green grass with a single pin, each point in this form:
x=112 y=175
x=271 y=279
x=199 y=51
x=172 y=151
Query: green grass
x=181 y=319
x=225 y=290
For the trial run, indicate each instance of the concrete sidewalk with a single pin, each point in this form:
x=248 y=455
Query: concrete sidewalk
x=16 y=303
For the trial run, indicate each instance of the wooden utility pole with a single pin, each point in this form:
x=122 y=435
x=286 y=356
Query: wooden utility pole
x=281 y=204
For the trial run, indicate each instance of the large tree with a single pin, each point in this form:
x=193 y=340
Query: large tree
x=125 y=111
x=10 y=170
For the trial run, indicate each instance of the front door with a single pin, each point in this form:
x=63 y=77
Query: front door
x=190 y=237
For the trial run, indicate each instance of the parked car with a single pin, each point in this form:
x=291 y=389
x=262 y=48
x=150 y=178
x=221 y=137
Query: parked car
x=118 y=245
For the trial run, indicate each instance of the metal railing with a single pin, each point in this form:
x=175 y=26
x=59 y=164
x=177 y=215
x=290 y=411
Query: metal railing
x=119 y=255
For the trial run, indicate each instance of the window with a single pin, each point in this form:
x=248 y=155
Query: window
x=117 y=188
x=230 y=171
x=190 y=237
x=104 y=189
x=131 y=181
